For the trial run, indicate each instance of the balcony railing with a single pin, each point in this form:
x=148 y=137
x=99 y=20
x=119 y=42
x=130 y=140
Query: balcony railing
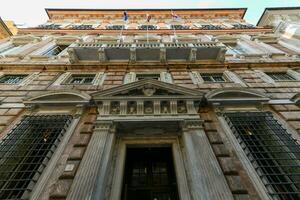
x=143 y=52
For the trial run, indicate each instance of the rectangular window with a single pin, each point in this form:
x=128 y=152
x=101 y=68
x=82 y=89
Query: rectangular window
x=115 y=27
x=147 y=76
x=211 y=27
x=81 y=79
x=147 y=27
x=49 y=26
x=274 y=154
x=280 y=76
x=242 y=26
x=25 y=151
x=179 y=27
x=82 y=27
x=12 y=79
x=217 y=78
x=55 y=50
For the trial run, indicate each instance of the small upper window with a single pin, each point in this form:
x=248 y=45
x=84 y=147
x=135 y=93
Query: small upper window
x=179 y=27
x=280 y=76
x=49 y=26
x=217 y=78
x=81 y=79
x=147 y=27
x=115 y=27
x=12 y=79
x=211 y=27
x=82 y=27
x=55 y=50
x=147 y=76
x=242 y=26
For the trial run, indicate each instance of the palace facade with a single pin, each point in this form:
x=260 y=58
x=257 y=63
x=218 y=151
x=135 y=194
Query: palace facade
x=152 y=104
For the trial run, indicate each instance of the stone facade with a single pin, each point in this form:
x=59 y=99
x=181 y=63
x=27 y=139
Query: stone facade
x=168 y=81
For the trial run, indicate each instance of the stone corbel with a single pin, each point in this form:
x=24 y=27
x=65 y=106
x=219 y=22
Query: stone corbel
x=102 y=56
x=193 y=55
x=132 y=55
x=72 y=55
x=162 y=55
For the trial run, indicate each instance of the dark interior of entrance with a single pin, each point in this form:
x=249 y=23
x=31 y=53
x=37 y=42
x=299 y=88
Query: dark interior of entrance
x=149 y=174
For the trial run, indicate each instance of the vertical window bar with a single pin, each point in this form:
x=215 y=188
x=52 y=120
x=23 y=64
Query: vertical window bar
x=25 y=151
x=273 y=152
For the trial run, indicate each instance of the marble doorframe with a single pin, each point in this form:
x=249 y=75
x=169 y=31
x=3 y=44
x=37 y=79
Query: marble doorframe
x=172 y=141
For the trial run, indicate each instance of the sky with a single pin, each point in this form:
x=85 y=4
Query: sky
x=31 y=12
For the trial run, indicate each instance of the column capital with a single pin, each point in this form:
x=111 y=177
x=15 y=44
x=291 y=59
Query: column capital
x=108 y=126
x=190 y=124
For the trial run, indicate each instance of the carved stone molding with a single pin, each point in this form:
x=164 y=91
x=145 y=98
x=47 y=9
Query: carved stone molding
x=192 y=124
x=105 y=126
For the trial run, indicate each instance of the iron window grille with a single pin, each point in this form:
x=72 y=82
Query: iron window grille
x=25 y=151
x=280 y=76
x=216 y=78
x=12 y=79
x=273 y=152
x=81 y=79
x=82 y=27
x=147 y=27
x=147 y=76
x=179 y=27
x=115 y=27
x=55 y=50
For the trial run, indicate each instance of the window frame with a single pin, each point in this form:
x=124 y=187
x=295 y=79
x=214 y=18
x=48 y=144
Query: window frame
x=258 y=182
x=83 y=77
x=211 y=76
x=64 y=78
x=277 y=76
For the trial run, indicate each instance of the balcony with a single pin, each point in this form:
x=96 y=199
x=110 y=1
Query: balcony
x=147 y=52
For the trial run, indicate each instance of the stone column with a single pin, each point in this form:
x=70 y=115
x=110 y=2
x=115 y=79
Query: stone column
x=89 y=182
x=206 y=176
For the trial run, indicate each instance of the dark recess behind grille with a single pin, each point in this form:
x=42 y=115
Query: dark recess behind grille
x=25 y=151
x=273 y=152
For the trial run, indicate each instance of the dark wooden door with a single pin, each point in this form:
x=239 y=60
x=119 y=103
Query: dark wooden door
x=149 y=175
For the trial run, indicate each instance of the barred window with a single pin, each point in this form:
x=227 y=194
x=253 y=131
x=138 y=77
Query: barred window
x=115 y=27
x=273 y=152
x=49 y=26
x=211 y=27
x=81 y=79
x=217 y=78
x=25 y=151
x=280 y=76
x=147 y=27
x=12 y=79
x=179 y=27
x=82 y=27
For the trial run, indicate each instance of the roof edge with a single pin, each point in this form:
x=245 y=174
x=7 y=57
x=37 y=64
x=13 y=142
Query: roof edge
x=276 y=8
x=146 y=9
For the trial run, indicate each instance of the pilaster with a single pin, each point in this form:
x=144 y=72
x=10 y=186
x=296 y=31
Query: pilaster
x=91 y=175
x=207 y=179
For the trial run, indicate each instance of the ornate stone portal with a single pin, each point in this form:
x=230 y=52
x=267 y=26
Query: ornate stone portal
x=165 y=113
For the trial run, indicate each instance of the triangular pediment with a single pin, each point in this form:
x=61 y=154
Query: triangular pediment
x=148 y=88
